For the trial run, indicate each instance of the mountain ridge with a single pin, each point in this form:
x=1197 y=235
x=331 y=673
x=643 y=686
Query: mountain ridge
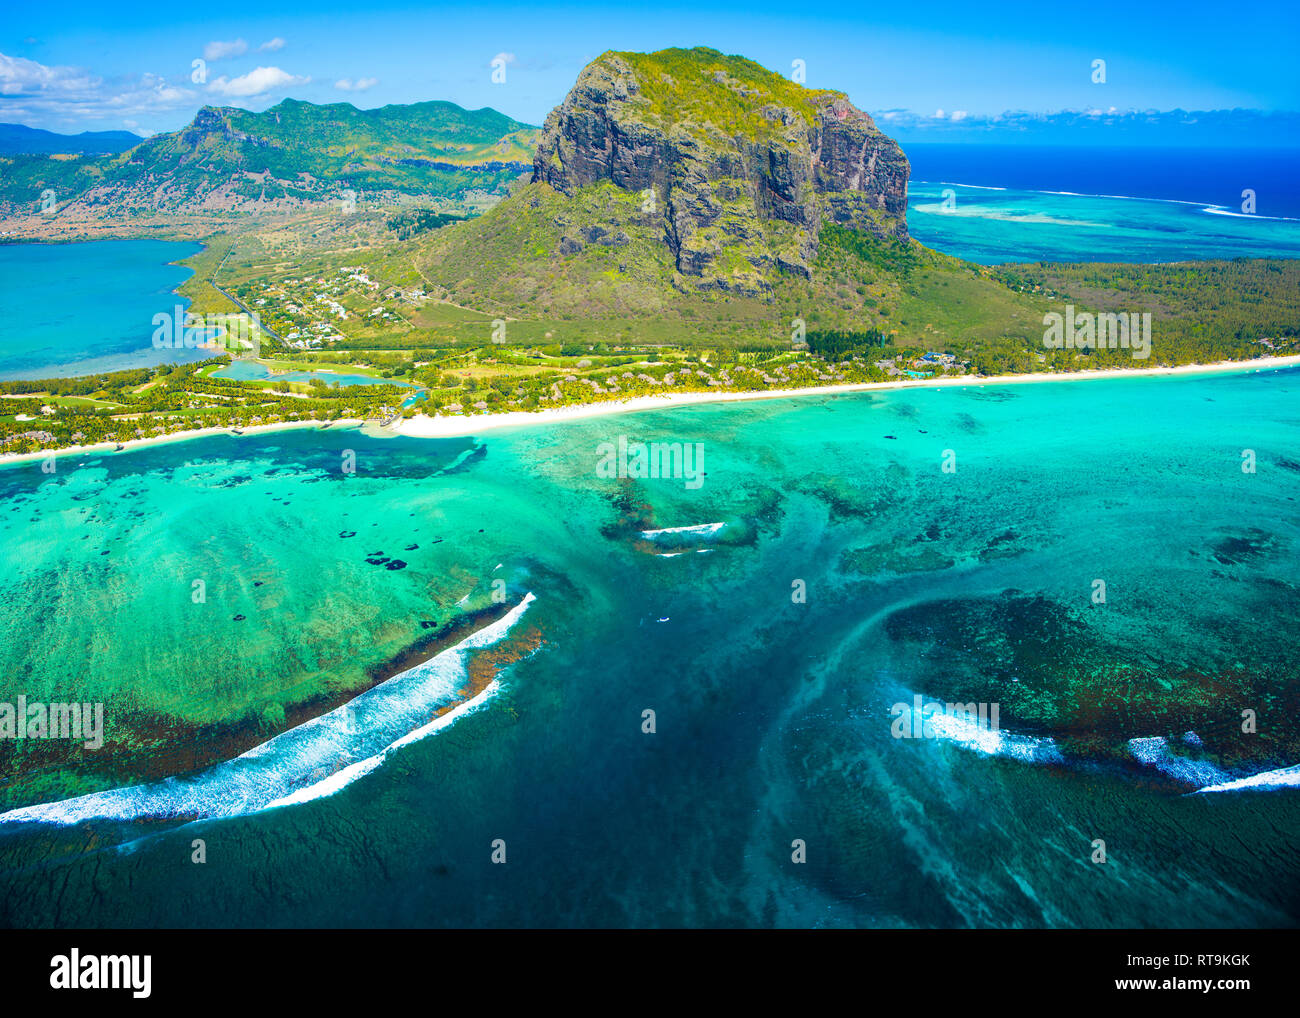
x=19 y=139
x=229 y=160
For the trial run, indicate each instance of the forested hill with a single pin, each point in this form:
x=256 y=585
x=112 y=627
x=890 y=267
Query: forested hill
x=234 y=160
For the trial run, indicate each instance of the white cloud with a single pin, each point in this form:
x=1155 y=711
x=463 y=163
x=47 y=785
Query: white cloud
x=66 y=96
x=360 y=85
x=223 y=50
x=271 y=45
x=505 y=58
x=1070 y=126
x=20 y=76
x=255 y=82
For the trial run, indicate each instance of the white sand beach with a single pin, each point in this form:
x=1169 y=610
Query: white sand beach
x=449 y=426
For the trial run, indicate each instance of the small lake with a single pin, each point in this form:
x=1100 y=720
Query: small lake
x=256 y=371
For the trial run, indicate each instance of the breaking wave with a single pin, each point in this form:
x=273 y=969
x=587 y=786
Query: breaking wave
x=699 y=530
x=313 y=760
x=1285 y=777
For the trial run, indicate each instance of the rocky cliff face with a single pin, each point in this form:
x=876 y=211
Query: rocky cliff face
x=741 y=166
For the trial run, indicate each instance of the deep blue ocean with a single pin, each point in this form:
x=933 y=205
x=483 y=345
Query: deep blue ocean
x=1001 y=203
x=1212 y=176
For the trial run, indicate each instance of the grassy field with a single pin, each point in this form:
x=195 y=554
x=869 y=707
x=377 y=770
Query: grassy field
x=204 y=297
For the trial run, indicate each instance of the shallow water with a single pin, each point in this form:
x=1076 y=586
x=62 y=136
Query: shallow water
x=774 y=715
x=77 y=309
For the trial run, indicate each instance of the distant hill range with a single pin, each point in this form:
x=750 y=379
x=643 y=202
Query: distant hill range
x=231 y=160
x=17 y=139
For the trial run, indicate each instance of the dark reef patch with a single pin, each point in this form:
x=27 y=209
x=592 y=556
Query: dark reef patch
x=1054 y=672
x=1235 y=549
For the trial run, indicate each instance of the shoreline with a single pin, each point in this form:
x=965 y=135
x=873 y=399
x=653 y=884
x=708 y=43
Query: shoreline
x=459 y=426
x=176 y=436
x=449 y=426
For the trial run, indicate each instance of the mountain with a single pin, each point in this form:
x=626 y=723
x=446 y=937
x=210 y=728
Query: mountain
x=392 y=148
x=689 y=196
x=706 y=170
x=739 y=155
x=231 y=160
x=17 y=138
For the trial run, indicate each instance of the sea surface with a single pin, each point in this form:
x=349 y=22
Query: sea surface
x=1005 y=203
x=1204 y=176
x=841 y=557
x=79 y=309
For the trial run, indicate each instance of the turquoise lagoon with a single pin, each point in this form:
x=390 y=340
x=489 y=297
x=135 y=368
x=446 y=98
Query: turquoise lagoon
x=79 y=309
x=775 y=715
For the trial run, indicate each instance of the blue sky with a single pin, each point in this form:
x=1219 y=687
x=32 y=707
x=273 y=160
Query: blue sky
x=94 y=66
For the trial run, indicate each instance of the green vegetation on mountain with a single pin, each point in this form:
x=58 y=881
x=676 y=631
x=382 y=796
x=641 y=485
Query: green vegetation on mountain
x=293 y=154
x=679 y=88
x=735 y=168
x=657 y=201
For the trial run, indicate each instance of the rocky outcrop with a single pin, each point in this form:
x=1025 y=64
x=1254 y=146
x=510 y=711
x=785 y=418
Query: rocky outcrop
x=740 y=165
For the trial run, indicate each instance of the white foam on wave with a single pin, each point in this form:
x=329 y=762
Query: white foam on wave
x=1154 y=751
x=953 y=183
x=1285 y=777
x=1204 y=206
x=968 y=732
x=1124 y=197
x=340 y=780
x=317 y=758
x=1218 y=210
x=699 y=530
